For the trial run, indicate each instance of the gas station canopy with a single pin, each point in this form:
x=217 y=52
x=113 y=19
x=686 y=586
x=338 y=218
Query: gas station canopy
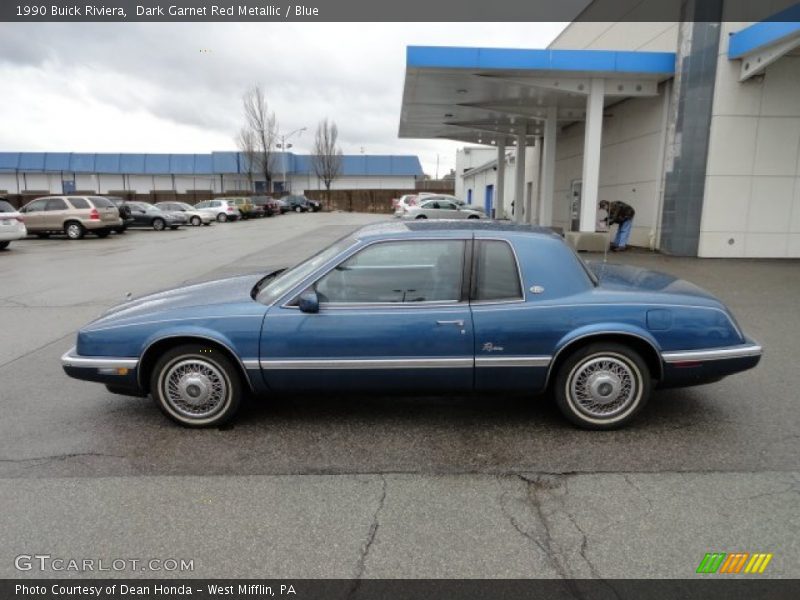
x=480 y=95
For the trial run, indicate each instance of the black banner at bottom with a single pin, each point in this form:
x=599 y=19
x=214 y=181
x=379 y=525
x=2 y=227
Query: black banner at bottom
x=705 y=588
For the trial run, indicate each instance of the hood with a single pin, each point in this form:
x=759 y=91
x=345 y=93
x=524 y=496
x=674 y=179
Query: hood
x=202 y=295
x=614 y=277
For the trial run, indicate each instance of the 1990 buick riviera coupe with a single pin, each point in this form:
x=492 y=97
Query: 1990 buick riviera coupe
x=420 y=307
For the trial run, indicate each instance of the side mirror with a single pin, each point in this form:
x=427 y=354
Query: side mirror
x=308 y=302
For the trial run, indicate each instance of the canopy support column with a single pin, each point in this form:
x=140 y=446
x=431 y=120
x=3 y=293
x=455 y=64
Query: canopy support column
x=548 y=167
x=519 y=185
x=591 y=155
x=501 y=179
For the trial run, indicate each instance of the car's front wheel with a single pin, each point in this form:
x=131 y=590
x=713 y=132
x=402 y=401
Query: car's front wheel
x=196 y=386
x=420 y=217
x=74 y=230
x=222 y=217
x=602 y=386
x=298 y=209
x=195 y=221
x=159 y=224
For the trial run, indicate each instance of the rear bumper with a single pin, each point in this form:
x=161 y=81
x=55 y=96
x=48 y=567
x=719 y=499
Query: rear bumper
x=9 y=234
x=693 y=367
x=117 y=371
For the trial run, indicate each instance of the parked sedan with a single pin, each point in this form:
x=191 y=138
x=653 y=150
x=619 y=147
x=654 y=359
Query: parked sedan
x=147 y=215
x=299 y=203
x=429 y=307
x=194 y=217
x=435 y=208
x=12 y=226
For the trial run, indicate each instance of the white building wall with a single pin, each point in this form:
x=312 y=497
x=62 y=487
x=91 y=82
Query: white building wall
x=624 y=35
x=468 y=158
x=752 y=194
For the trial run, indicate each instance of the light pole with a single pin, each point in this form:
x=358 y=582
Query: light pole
x=284 y=147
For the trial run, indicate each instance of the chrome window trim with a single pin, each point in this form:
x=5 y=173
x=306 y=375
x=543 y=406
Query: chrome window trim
x=352 y=251
x=71 y=359
x=728 y=352
x=367 y=364
x=512 y=361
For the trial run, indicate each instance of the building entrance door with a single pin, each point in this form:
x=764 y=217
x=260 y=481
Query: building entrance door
x=488 y=200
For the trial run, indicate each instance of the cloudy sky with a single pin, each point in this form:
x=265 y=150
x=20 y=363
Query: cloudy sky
x=129 y=87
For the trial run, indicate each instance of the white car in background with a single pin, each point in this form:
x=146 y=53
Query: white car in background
x=12 y=226
x=436 y=207
x=195 y=217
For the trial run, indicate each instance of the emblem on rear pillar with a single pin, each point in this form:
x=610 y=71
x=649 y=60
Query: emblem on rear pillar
x=537 y=289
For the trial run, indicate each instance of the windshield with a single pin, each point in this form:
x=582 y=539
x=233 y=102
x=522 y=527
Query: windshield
x=286 y=280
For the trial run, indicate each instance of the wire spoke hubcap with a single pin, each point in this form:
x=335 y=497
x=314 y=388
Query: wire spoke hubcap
x=195 y=388
x=603 y=386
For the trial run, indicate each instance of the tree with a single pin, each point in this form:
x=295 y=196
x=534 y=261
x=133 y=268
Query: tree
x=246 y=141
x=263 y=127
x=327 y=156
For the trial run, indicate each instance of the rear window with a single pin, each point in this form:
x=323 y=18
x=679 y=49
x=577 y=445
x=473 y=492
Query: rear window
x=496 y=273
x=101 y=202
x=79 y=203
x=5 y=207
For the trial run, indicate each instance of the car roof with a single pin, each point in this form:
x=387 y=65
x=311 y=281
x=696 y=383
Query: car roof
x=468 y=226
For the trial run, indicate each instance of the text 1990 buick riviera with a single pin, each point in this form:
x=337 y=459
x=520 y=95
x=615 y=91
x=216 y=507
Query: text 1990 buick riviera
x=420 y=306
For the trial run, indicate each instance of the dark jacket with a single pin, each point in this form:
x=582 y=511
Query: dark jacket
x=619 y=212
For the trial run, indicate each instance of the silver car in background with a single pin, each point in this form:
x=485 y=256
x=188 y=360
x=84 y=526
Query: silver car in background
x=12 y=226
x=435 y=207
x=193 y=216
x=221 y=209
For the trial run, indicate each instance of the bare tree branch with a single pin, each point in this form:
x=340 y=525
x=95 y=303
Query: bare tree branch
x=263 y=126
x=246 y=142
x=327 y=156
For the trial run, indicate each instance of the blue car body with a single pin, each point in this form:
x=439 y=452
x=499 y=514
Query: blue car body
x=685 y=335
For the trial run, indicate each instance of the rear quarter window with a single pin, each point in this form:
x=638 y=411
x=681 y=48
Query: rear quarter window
x=496 y=275
x=101 y=202
x=79 y=203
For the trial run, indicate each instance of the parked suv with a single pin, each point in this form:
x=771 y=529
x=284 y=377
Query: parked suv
x=267 y=203
x=74 y=215
x=222 y=209
x=246 y=208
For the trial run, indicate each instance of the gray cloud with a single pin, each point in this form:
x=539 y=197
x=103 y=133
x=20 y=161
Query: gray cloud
x=192 y=75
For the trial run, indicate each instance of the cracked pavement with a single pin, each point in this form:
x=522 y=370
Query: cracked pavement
x=375 y=487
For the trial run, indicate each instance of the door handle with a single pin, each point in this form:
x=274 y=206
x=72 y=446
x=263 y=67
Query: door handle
x=457 y=323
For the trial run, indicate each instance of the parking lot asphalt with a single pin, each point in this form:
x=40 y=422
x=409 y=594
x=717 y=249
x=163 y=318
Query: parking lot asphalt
x=337 y=486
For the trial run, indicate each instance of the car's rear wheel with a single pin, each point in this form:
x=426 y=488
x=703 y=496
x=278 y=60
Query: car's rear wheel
x=298 y=209
x=602 y=386
x=473 y=217
x=196 y=386
x=222 y=217
x=421 y=217
x=195 y=221
x=4 y=245
x=74 y=230
x=159 y=224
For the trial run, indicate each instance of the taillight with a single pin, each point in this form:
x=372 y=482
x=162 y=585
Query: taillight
x=230 y=209
x=94 y=215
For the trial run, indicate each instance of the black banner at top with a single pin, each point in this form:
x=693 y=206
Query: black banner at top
x=404 y=11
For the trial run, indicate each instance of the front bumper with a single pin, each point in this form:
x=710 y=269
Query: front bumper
x=693 y=367
x=112 y=370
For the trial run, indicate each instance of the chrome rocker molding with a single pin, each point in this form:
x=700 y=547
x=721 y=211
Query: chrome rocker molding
x=716 y=354
x=70 y=359
x=406 y=363
x=379 y=363
x=512 y=361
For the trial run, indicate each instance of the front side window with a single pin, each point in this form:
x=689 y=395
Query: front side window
x=496 y=276
x=35 y=206
x=397 y=272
